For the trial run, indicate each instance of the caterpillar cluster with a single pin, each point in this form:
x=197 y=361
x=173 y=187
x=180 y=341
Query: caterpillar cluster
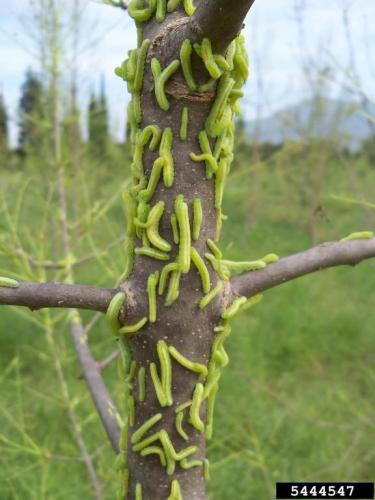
x=142 y=11
x=227 y=73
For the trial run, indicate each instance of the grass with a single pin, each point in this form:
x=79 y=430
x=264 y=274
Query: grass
x=296 y=401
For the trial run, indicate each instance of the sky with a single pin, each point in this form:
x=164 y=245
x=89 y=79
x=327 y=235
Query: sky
x=278 y=44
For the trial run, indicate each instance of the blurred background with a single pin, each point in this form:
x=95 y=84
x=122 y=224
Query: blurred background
x=297 y=400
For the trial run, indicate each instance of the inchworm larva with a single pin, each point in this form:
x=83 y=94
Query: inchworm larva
x=161 y=77
x=222 y=271
x=183 y=406
x=185 y=56
x=129 y=259
x=241 y=267
x=141 y=384
x=221 y=175
x=113 y=311
x=137 y=107
x=148 y=193
x=175 y=491
x=210 y=410
x=163 y=386
x=166 y=153
x=214 y=249
x=155 y=450
x=173 y=289
x=143 y=429
x=131 y=410
x=138 y=14
x=133 y=328
x=8 y=282
x=363 y=235
x=164 y=276
x=197 y=218
x=202 y=270
x=186 y=363
x=161 y=7
x=182 y=213
x=189 y=7
x=219 y=224
x=176 y=236
x=224 y=89
x=188 y=464
x=209 y=59
x=153 y=221
x=233 y=309
x=195 y=407
x=154 y=132
x=179 y=428
x=172 y=5
x=141 y=60
x=138 y=491
x=206 y=469
x=270 y=258
x=211 y=295
x=252 y=301
x=150 y=252
x=184 y=124
x=207 y=156
x=152 y=283
x=130 y=207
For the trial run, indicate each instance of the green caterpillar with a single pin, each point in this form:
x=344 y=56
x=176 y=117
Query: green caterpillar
x=147 y=194
x=184 y=124
x=174 y=288
x=152 y=283
x=197 y=218
x=214 y=249
x=155 y=450
x=182 y=213
x=152 y=253
x=209 y=60
x=225 y=88
x=138 y=491
x=141 y=384
x=179 y=428
x=161 y=77
x=141 y=15
x=130 y=207
x=234 y=308
x=113 y=311
x=125 y=330
x=163 y=386
x=164 y=276
x=363 y=235
x=172 y=5
x=189 y=365
x=175 y=491
x=202 y=270
x=129 y=259
x=189 y=7
x=195 y=419
x=144 y=428
x=210 y=410
x=161 y=7
x=8 y=282
x=166 y=153
x=174 y=224
x=152 y=228
x=185 y=56
x=189 y=464
x=211 y=295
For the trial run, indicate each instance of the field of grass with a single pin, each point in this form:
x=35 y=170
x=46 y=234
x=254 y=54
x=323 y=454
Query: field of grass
x=296 y=401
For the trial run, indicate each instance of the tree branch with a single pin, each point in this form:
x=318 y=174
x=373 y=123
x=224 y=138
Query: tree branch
x=289 y=268
x=91 y=373
x=57 y=295
x=221 y=20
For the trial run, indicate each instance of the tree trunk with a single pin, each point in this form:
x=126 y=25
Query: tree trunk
x=182 y=325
